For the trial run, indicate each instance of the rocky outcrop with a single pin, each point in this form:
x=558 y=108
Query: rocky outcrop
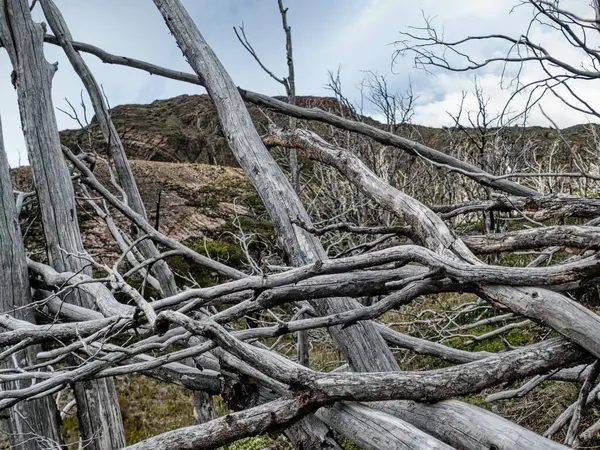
x=197 y=201
x=185 y=129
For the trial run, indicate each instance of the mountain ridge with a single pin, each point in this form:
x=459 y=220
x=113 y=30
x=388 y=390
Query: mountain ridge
x=185 y=129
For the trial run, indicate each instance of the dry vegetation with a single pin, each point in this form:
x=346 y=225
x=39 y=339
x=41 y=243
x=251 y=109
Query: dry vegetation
x=376 y=293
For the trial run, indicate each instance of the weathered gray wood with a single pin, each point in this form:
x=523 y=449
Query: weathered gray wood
x=455 y=380
x=446 y=245
x=253 y=421
x=566 y=316
x=204 y=410
x=31 y=424
x=104 y=301
x=539 y=207
x=44 y=333
x=376 y=430
x=434 y=233
x=99 y=414
x=449 y=419
x=581 y=237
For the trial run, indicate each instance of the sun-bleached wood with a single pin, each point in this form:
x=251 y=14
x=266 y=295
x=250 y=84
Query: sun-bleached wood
x=35 y=423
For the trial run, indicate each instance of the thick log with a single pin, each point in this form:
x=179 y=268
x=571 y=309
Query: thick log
x=423 y=386
x=538 y=207
x=376 y=430
x=32 y=425
x=447 y=421
x=373 y=386
x=574 y=236
x=99 y=414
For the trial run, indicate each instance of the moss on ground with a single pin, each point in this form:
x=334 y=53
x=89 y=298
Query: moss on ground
x=148 y=406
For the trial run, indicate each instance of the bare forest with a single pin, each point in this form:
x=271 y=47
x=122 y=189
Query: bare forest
x=412 y=296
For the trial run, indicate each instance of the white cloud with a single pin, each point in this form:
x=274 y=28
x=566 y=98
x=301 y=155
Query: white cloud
x=442 y=94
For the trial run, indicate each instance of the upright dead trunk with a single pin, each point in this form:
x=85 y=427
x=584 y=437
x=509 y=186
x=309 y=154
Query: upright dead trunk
x=364 y=348
x=99 y=415
x=160 y=269
x=32 y=424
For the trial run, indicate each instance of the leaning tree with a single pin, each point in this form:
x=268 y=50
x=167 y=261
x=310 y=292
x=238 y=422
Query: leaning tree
x=399 y=386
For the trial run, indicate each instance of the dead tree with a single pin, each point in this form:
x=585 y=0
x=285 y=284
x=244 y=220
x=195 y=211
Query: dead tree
x=33 y=424
x=289 y=83
x=367 y=399
x=98 y=410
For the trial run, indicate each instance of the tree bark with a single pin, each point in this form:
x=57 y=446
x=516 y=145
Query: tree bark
x=373 y=429
x=32 y=425
x=98 y=409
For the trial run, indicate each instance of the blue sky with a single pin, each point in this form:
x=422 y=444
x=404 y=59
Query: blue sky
x=355 y=35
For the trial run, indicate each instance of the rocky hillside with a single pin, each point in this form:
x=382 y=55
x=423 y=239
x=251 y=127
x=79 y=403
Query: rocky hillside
x=185 y=129
x=177 y=150
x=198 y=202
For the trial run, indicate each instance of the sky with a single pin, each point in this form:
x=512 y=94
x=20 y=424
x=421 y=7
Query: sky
x=352 y=35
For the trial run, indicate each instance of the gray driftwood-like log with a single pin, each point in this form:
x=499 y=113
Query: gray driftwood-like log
x=34 y=424
x=573 y=236
x=98 y=409
x=371 y=429
x=351 y=385
x=361 y=343
x=489 y=430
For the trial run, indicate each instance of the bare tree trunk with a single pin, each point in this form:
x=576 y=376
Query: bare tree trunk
x=32 y=424
x=363 y=346
x=383 y=431
x=361 y=343
x=203 y=404
x=98 y=409
x=290 y=86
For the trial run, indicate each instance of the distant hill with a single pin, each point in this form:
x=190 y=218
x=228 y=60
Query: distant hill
x=185 y=129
